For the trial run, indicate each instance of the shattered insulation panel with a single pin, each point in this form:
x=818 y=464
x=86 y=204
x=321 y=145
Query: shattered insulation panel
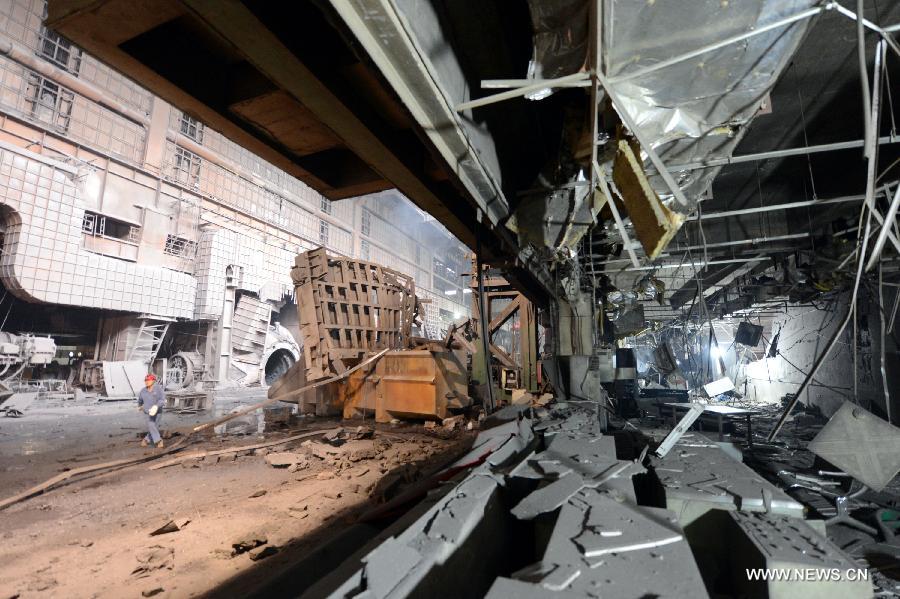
x=654 y=224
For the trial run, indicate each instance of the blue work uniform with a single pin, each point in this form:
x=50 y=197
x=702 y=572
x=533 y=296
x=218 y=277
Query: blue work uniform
x=146 y=399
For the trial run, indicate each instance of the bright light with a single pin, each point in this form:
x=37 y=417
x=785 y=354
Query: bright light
x=716 y=352
x=456 y=316
x=758 y=370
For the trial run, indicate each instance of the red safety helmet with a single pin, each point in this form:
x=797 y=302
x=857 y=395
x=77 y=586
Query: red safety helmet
x=150 y=377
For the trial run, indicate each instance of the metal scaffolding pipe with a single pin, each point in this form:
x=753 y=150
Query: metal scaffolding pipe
x=521 y=91
x=723 y=244
x=757 y=156
x=885 y=230
x=517 y=83
x=696 y=264
x=863 y=75
x=884 y=33
x=773 y=207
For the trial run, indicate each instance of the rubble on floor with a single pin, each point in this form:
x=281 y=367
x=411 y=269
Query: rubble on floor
x=556 y=508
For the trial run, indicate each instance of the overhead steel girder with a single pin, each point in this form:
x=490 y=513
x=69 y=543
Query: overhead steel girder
x=387 y=36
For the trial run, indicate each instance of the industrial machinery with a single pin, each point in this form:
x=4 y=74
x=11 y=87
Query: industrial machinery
x=24 y=350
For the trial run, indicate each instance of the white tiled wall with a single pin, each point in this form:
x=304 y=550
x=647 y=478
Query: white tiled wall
x=43 y=260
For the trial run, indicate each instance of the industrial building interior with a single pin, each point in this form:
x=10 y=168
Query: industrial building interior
x=449 y=298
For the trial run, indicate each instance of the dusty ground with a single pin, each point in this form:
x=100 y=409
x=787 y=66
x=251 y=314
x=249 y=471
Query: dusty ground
x=92 y=538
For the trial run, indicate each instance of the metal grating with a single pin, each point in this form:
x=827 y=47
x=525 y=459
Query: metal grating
x=348 y=308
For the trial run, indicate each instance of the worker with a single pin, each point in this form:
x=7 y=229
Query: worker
x=151 y=400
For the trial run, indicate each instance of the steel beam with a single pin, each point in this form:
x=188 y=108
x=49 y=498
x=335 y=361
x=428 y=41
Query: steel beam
x=773 y=207
x=695 y=264
x=757 y=156
x=517 y=83
x=521 y=91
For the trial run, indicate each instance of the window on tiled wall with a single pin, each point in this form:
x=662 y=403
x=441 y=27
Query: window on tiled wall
x=60 y=51
x=179 y=246
x=323 y=232
x=366 y=225
x=48 y=102
x=100 y=225
x=192 y=128
x=325 y=205
x=187 y=167
x=364 y=249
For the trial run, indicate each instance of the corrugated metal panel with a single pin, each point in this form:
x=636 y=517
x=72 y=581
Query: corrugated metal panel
x=251 y=323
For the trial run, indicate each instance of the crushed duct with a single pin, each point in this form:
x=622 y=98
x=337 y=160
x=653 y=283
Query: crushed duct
x=690 y=110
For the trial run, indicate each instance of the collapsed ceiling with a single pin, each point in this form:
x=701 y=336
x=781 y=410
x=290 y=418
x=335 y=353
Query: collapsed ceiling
x=724 y=96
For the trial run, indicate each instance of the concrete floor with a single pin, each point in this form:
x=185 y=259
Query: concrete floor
x=88 y=538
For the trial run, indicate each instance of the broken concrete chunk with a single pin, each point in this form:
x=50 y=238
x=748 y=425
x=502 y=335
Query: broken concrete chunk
x=297 y=466
x=284 y=459
x=521 y=397
x=548 y=498
x=453 y=422
x=364 y=432
x=262 y=552
x=152 y=592
x=334 y=437
x=248 y=542
x=170 y=526
x=259 y=493
x=154 y=558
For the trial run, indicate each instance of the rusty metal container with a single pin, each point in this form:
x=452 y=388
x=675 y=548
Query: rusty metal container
x=407 y=384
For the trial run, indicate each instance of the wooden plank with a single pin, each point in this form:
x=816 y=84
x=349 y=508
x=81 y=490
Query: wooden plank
x=505 y=314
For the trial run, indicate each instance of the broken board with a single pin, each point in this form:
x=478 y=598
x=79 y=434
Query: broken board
x=861 y=444
x=653 y=222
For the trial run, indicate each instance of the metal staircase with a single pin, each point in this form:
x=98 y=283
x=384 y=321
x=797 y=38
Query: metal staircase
x=148 y=340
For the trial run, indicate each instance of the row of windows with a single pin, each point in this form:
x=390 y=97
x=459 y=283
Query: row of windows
x=239 y=156
x=208 y=178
